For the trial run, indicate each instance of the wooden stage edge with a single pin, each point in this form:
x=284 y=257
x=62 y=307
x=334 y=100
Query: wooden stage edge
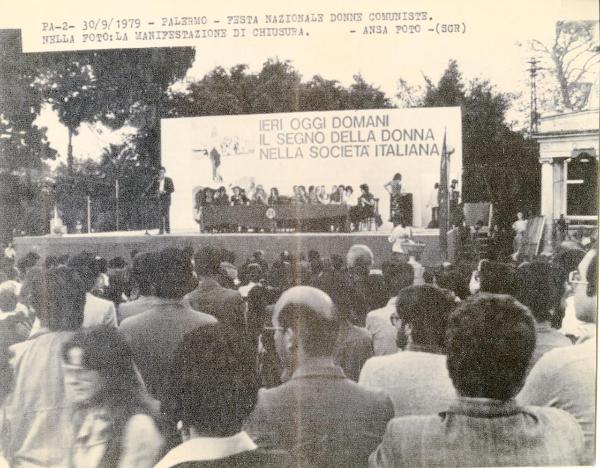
x=113 y=244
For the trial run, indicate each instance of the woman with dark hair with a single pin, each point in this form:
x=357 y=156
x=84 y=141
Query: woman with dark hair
x=221 y=197
x=274 y=196
x=334 y=196
x=37 y=414
x=365 y=207
x=260 y=196
x=394 y=188
x=313 y=196
x=213 y=389
x=113 y=423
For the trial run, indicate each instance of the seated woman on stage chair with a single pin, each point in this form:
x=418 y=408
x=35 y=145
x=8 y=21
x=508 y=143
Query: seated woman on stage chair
x=221 y=197
x=394 y=188
x=260 y=196
x=322 y=195
x=274 y=197
x=364 y=208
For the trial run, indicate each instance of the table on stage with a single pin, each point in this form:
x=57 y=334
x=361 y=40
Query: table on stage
x=272 y=218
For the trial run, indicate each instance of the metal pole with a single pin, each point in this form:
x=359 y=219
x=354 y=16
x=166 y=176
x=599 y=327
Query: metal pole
x=117 y=197
x=89 y=214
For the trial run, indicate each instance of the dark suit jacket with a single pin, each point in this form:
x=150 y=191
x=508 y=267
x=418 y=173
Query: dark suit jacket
x=155 y=335
x=164 y=198
x=321 y=418
x=226 y=305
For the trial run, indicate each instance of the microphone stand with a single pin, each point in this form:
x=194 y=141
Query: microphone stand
x=145 y=196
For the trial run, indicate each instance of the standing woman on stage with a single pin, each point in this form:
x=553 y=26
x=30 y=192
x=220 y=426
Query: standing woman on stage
x=394 y=188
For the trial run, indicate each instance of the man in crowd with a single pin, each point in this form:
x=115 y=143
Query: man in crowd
x=226 y=305
x=397 y=276
x=490 y=342
x=144 y=274
x=164 y=187
x=539 y=292
x=97 y=311
x=367 y=289
x=155 y=334
x=353 y=345
x=565 y=378
x=319 y=416
x=417 y=379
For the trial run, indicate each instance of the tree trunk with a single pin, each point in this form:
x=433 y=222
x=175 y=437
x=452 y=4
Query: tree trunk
x=70 y=152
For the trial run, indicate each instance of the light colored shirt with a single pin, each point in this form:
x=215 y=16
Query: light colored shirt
x=571 y=325
x=98 y=311
x=140 y=305
x=565 y=378
x=481 y=432
x=547 y=338
x=140 y=446
x=245 y=290
x=416 y=381
x=207 y=448
x=383 y=333
x=37 y=413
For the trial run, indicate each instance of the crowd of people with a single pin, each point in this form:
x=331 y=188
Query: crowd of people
x=180 y=357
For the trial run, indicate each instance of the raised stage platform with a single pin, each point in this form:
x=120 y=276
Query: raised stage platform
x=113 y=244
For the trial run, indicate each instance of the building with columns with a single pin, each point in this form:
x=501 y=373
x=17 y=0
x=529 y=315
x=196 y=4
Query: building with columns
x=569 y=159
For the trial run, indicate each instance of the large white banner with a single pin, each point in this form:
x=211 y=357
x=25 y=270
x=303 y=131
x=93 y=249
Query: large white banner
x=311 y=148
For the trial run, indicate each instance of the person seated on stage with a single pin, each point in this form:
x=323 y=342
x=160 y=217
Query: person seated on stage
x=244 y=197
x=334 y=196
x=322 y=195
x=349 y=197
x=221 y=197
x=260 y=196
x=342 y=193
x=300 y=196
x=274 y=196
x=312 y=197
x=236 y=198
x=209 y=196
x=365 y=207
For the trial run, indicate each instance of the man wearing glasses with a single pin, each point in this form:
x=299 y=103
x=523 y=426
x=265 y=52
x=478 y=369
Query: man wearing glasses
x=565 y=377
x=416 y=379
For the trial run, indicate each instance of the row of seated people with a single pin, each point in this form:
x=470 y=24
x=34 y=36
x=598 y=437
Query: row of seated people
x=367 y=368
x=361 y=208
x=342 y=194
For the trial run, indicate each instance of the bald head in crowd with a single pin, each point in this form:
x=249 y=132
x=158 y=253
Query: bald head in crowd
x=305 y=324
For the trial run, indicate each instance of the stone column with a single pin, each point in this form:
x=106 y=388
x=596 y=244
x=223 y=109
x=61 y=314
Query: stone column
x=547 y=204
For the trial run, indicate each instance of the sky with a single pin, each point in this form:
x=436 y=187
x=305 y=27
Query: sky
x=489 y=48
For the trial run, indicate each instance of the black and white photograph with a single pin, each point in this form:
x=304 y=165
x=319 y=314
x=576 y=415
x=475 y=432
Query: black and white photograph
x=304 y=234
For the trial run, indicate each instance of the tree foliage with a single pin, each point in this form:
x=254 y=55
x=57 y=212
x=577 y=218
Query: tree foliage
x=499 y=165
x=277 y=87
x=23 y=145
x=114 y=87
x=573 y=60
